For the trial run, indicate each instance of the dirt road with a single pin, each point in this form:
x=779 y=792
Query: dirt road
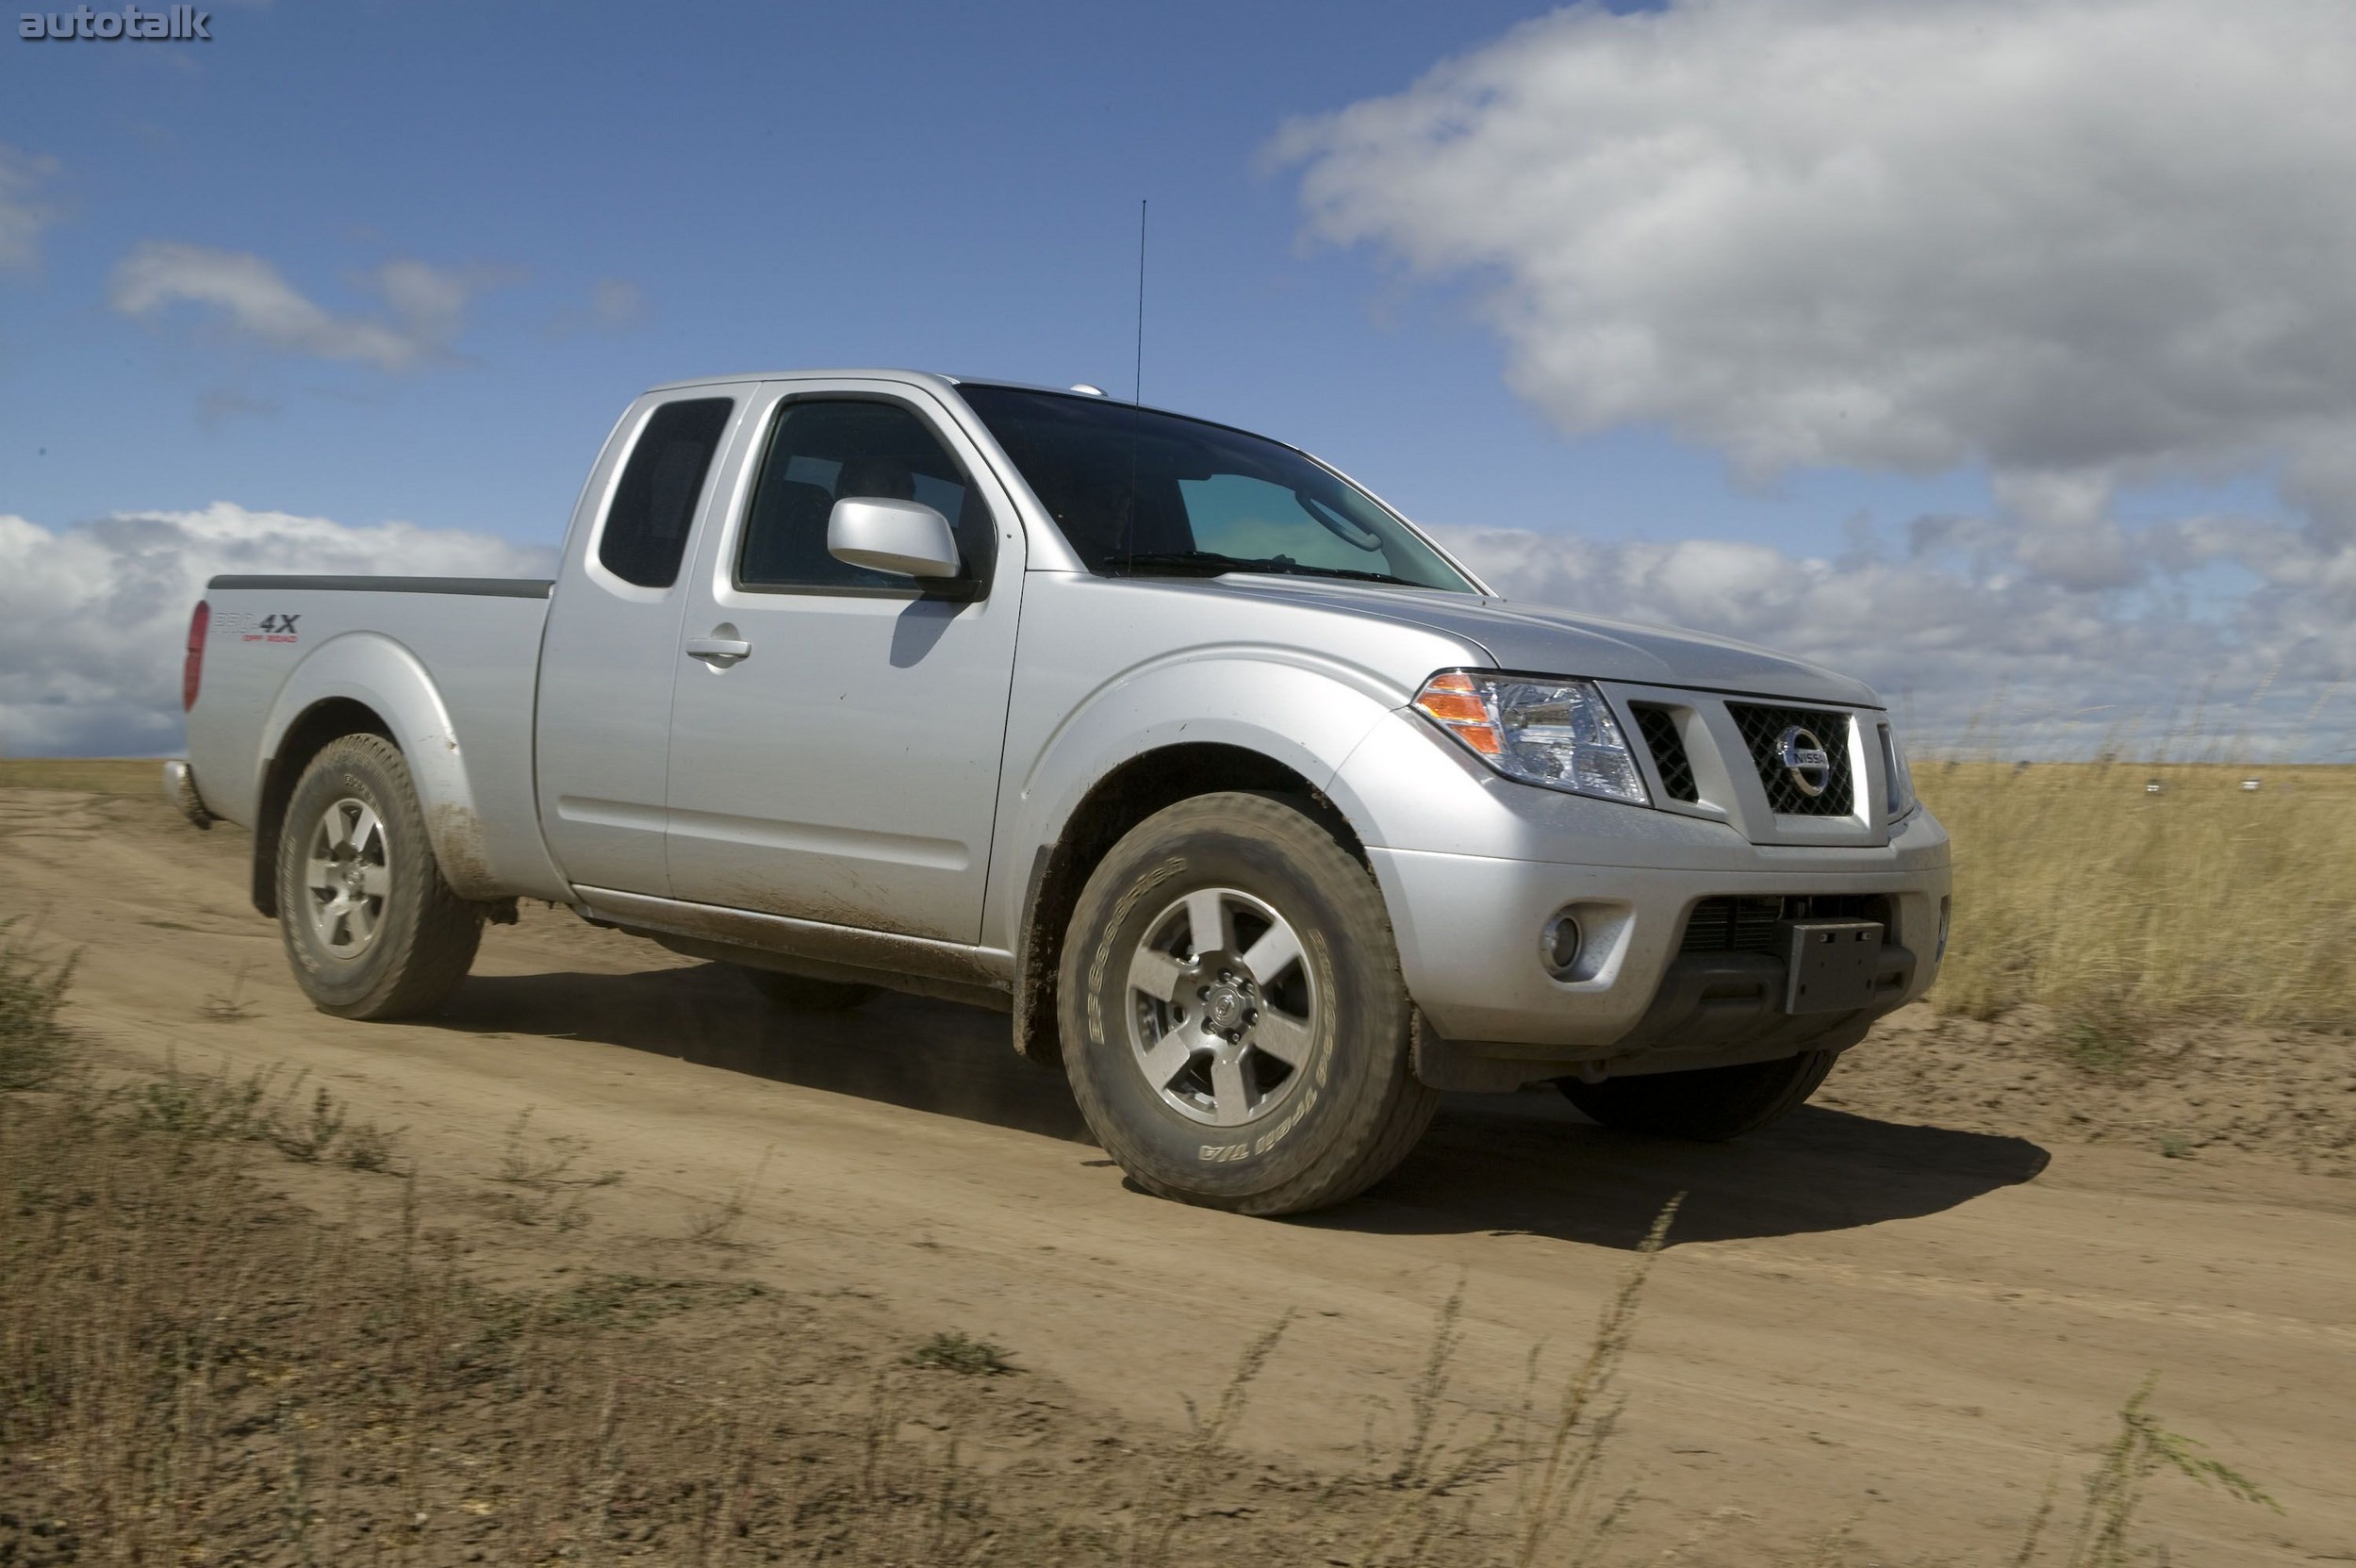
x=1858 y=1317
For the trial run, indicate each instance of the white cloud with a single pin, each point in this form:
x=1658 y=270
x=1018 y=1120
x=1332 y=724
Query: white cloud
x=2052 y=234
x=617 y=303
x=92 y=618
x=23 y=215
x=1972 y=647
x=614 y=305
x=2085 y=243
x=257 y=304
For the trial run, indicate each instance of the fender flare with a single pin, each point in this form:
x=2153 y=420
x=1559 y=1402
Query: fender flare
x=382 y=675
x=1304 y=713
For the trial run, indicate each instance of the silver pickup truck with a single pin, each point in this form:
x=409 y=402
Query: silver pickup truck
x=1257 y=812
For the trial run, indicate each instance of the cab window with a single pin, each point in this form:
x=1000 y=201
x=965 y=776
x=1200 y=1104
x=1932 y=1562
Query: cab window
x=826 y=449
x=654 y=503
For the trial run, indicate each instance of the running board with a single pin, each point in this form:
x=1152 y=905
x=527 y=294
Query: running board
x=983 y=975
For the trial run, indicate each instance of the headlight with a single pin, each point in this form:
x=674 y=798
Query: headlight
x=1557 y=734
x=1898 y=776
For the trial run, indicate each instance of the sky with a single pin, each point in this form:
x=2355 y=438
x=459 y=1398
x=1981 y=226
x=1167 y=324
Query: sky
x=2001 y=353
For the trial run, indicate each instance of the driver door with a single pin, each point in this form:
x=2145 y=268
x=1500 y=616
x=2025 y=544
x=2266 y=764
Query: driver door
x=843 y=766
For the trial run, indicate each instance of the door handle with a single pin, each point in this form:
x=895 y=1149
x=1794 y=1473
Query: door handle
x=717 y=649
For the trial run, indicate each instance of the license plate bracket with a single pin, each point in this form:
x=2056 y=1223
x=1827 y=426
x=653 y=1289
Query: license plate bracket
x=1830 y=965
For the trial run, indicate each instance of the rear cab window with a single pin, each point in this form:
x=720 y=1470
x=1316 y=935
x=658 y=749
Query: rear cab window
x=653 y=506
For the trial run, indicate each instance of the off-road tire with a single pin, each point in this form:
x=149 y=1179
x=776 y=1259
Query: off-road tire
x=425 y=935
x=800 y=994
x=1359 y=1109
x=1708 y=1105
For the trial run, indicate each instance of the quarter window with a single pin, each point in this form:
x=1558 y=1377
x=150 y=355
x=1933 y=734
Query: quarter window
x=822 y=451
x=654 y=505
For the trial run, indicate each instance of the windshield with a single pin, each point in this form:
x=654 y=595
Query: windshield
x=1143 y=493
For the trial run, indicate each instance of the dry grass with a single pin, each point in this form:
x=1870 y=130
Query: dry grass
x=2078 y=890
x=194 y=1368
x=98 y=775
x=33 y=1044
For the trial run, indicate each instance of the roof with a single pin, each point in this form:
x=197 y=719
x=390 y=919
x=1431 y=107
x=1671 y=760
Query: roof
x=932 y=379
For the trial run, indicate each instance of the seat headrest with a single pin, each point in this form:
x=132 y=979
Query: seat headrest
x=888 y=478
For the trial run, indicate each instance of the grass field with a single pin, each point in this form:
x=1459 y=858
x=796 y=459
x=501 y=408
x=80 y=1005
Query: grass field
x=100 y=775
x=2080 y=889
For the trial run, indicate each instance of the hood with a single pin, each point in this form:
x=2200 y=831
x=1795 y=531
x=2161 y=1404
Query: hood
x=1532 y=638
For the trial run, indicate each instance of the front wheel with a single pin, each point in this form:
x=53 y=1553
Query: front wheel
x=1234 y=1022
x=1707 y=1105
x=372 y=929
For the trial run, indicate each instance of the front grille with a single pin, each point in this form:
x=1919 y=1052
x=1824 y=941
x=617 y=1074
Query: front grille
x=1659 y=727
x=1763 y=732
x=1748 y=925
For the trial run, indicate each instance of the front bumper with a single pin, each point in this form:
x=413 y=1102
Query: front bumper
x=1468 y=929
x=1490 y=862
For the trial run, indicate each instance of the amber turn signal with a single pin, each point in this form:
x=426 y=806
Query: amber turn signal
x=1451 y=701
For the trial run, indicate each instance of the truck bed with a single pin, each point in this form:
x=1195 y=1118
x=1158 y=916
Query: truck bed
x=450 y=662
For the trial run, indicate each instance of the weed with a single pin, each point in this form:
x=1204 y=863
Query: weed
x=2037 y=1521
x=212 y=1109
x=369 y=1146
x=549 y=1193
x=1424 y=1396
x=954 y=1352
x=1432 y=1465
x=223 y=1107
x=2101 y=1042
x=550 y=1167
x=715 y=1225
x=2142 y=1447
x=230 y=1007
x=634 y=1301
x=1197 y=1459
x=2174 y=1147
x=1587 y=1413
x=1833 y=1551
x=33 y=1044
x=311 y=1137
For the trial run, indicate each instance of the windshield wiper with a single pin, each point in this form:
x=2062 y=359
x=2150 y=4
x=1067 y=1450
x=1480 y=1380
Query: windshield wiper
x=1206 y=563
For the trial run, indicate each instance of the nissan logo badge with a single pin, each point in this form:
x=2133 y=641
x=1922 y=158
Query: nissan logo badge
x=1805 y=761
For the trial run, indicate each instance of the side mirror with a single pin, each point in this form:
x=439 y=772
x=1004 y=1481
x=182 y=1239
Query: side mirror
x=903 y=536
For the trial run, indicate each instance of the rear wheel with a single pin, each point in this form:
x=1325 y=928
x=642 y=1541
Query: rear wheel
x=1233 y=1020
x=372 y=929
x=1708 y=1105
x=798 y=994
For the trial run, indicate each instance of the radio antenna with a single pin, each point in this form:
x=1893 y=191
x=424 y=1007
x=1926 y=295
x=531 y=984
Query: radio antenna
x=1137 y=388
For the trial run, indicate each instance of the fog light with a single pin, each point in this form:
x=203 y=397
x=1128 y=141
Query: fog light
x=1559 y=944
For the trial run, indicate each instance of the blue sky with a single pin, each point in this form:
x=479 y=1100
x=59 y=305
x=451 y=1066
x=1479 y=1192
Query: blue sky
x=2000 y=355
x=949 y=187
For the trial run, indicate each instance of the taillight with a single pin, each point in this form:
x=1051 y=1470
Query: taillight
x=193 y=671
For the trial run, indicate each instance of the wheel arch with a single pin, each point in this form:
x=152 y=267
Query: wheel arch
x=311 y=732
x=1123 y=797
x=367 y=683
